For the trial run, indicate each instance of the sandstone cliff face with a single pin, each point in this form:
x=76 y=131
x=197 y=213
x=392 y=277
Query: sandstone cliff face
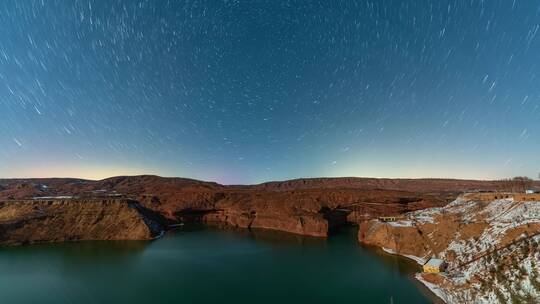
x=307 y=206
x=35 y=221
x=311 y=224
x=312 y=212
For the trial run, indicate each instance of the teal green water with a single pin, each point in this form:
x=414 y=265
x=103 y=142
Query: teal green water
x=205 y=265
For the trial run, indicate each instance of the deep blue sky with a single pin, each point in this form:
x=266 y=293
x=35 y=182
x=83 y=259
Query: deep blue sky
x=249 y=91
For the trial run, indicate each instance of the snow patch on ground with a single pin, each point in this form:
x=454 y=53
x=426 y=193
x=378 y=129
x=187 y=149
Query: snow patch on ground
x=475 y=257
x=439 y=292
x=425 y=219
x=388 y=250
x=161 y=234
x=402 y=223
x=418 y=260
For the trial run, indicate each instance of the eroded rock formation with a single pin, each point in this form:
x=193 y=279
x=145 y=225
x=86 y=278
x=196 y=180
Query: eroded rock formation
x=312 y=207
x=54 y=220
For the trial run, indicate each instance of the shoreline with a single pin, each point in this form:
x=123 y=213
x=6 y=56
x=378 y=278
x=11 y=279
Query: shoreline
x=422 y=286
x=425 y=289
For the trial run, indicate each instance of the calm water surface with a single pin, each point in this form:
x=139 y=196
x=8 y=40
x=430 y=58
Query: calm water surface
x=205 y=265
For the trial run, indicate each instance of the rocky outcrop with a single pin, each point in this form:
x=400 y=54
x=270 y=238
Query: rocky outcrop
x=306 y=206
x=52 y=220
x=401 y=240
x=307 y=224
x=312 y=212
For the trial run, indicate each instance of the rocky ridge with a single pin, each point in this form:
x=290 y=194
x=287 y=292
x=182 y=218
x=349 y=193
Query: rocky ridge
x=313 y=207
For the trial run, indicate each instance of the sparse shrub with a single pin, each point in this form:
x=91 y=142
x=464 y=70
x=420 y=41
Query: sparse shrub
x=515 y=298
x=534 y=283
x=522 y=271
x=529 y=298
x=500 y=296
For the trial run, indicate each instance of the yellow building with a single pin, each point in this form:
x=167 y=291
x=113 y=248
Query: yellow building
x=434 y=266
x=387 y=218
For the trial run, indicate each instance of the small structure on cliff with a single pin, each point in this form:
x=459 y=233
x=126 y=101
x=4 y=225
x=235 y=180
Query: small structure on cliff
x=41 y=198
x=434 y=266
x=387 y=219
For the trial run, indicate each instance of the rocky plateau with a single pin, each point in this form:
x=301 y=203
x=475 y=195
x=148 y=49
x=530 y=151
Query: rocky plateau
x=40 y=210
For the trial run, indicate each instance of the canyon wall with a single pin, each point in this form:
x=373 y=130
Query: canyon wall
x=313 y=207
x=48 y=220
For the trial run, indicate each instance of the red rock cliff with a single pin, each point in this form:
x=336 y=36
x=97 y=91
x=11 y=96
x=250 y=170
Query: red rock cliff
x=36 y=221
x=305 y=206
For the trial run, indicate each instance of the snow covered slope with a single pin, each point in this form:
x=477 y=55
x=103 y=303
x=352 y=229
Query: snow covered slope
x=492 y=248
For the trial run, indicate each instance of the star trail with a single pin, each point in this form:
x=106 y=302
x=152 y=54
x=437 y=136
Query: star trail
x=251 y=91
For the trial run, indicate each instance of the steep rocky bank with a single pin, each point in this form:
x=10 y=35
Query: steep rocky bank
x=58 y=220
x=490 y=245
x=314 y=207
x=491 y=248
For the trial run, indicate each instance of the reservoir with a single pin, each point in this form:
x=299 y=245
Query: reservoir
x=206 y=265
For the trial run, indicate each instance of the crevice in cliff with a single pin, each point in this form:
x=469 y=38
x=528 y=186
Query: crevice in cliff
x=252 y=215
x=336 y=218
x=155 y=221
x=191 y=215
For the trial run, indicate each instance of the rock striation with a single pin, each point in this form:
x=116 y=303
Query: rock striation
x=58 y=220
x=314 y=207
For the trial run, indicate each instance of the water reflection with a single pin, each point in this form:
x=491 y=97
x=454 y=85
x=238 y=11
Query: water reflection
x=72 y=258
x=403 y=265
x=198 y=264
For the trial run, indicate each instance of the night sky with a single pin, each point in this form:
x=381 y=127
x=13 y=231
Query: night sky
x=250 y=91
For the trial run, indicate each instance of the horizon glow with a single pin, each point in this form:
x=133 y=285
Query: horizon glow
x=242 y=92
